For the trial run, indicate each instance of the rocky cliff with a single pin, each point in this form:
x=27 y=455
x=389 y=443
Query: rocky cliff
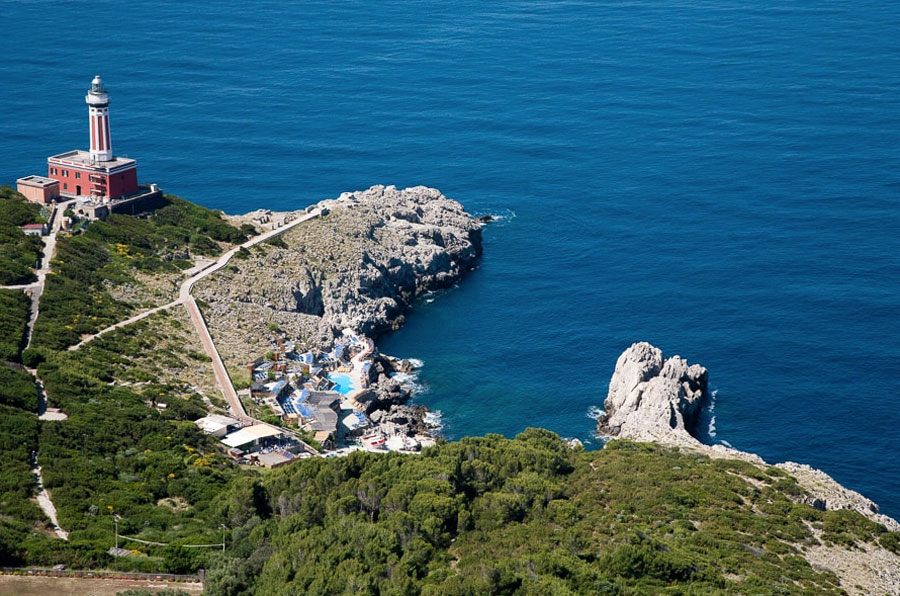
x=359 y=266
x=652 y=398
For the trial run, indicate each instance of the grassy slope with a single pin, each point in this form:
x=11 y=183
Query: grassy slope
x=18 y=251
x=76 y=300
x=14 y=305
x=493 y=516
x=116 y=451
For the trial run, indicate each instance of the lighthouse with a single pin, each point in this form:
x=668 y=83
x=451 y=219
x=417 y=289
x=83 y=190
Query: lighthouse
x=97 y=174
x=97 y=100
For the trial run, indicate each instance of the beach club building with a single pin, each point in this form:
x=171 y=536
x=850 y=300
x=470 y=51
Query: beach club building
x=217 y=425
x=252 y=437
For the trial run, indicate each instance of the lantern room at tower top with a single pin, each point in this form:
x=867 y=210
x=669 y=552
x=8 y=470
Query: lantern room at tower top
x=96 y=174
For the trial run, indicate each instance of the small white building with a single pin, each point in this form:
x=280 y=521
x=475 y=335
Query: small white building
x=216 y=424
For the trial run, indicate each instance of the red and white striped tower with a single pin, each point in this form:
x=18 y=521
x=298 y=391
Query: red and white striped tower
x=97 y=100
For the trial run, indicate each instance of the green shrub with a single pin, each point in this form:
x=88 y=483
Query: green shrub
x=19 y=252
x=14 y=307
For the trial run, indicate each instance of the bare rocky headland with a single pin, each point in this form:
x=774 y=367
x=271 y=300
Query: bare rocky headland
x=652 y=398
x=359 y=266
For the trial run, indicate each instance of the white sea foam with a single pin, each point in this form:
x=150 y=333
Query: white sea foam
x=712 y=427
x=727 y=444
x=416 y=363
x=595 y=412
x=434 y=420
x=712 y=400
x=499 y=218
x=411 y=382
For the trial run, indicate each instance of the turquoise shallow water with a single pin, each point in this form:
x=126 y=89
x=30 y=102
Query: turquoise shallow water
x=719 y=178
x=344 y=383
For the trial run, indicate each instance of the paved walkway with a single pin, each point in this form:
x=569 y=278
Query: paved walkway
x=231 y=396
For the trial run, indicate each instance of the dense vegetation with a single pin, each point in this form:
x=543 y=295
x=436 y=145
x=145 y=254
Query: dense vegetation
x=119 y=454
x=18 y=252
x=22 y=524
x=529 y=516
x=17 y=389
x=19 y=516
x=485 y=515
x=111 y=252
x=14 y=305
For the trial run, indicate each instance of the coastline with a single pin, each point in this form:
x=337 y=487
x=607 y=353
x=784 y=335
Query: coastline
x=354 y=273
x=659 y=400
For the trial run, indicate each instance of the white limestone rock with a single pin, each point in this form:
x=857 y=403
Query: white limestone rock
x=653 y=399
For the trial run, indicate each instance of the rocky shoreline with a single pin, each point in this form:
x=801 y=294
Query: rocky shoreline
x=359 y=266
x=657 y=399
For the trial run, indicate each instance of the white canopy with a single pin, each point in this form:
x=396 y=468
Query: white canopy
x=250 y=434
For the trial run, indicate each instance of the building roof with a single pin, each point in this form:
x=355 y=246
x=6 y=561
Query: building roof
x=266 y=386
x=355 y=420
x=274 y=458
x=325 y=419
x=215 y=422
x=250 y=434
x=328 y=399
x=262 y=431
x=39 y=181
x=34 y=226
x=82 y=159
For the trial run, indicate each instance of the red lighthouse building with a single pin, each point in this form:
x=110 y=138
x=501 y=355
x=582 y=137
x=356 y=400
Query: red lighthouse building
x=96 y=174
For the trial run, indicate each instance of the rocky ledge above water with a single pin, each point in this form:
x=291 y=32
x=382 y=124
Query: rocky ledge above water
x=359 y=266
x=657 y=399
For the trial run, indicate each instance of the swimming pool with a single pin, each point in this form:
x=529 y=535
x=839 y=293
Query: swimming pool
x=344 y=383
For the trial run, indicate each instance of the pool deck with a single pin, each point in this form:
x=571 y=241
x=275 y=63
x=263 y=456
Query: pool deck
x=356 y=373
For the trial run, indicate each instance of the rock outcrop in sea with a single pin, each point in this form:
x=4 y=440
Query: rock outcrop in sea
x=657 y=399
x=653 y=399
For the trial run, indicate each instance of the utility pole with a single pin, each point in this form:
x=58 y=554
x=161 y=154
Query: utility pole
x=116 y=555
x=223 y=536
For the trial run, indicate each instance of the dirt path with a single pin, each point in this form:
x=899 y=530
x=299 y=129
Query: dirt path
x=43 y=499
x=37 y=288
x=17 y=585
x=133 y=319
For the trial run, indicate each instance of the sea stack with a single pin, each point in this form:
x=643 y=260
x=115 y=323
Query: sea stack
x=652 y=398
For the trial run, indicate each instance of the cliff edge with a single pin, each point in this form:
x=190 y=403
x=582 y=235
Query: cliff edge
x=360 y=266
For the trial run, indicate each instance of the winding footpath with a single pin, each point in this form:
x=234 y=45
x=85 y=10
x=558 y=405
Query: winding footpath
x=133 y=319
x=35 y=290
x=185 y=298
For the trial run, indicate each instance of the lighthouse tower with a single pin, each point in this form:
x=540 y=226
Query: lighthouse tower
x=97 y=100
x=96 y=174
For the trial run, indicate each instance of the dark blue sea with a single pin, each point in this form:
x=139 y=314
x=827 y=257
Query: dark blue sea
x=721 y=179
